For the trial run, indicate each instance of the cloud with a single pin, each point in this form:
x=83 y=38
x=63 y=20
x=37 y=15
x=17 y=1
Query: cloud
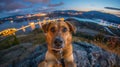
x=8 y=5
x=6 y=1
x=15 y=11
x=14 y=7
x=44 y=9
x=55 y=5
x=112 y=8
x=37 y=1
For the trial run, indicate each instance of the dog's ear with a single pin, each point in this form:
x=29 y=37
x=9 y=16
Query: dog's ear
x=45 y=27
x=72 y=27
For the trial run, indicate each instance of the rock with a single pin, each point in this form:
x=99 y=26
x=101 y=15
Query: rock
x=85 y=54
x=93 y=56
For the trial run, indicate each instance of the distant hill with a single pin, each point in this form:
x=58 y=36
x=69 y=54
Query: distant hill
x=65 y=11
x=90 y=14
x=101 y=15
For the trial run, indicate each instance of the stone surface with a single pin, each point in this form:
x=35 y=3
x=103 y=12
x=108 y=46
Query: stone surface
x=85 y=54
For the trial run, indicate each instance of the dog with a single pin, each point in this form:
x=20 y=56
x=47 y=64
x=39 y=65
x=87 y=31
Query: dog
x=59 y=39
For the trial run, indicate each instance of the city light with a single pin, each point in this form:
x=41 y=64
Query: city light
x=62 y=19
x=8 y=32
x=23 y=28
x=12 y=31
x=11 y=21
x=32 y=24
x=118 y=26
x=40 y=24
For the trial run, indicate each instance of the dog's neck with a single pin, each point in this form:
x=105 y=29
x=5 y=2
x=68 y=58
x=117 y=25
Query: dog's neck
x=64 y=52
x=58 y=54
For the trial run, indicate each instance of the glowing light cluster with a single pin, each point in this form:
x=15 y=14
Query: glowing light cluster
x=32 y=24
x=7 y=32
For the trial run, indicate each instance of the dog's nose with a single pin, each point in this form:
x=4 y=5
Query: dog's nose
x=58 y=41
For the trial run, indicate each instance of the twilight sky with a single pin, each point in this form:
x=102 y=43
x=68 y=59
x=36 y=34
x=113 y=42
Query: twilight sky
x=15 y=7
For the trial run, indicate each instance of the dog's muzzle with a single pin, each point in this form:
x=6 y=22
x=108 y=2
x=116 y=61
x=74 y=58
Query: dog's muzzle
x=58 y=43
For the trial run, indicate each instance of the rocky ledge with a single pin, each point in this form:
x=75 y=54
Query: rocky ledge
x=85 y=54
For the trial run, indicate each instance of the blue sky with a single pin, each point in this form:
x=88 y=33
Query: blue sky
x=14 y=7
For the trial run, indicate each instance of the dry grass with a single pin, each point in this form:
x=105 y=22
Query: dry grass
x=100 y=44
x=8 y=42
x=33 y=38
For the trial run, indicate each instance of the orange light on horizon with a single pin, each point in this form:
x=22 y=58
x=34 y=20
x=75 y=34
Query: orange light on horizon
x=39 y=14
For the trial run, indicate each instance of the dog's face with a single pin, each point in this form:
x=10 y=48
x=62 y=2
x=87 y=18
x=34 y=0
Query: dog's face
x=58 y=34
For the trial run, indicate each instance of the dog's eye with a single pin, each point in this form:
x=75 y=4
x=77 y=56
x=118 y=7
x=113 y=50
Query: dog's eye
x=52 y=29
x=64 y=29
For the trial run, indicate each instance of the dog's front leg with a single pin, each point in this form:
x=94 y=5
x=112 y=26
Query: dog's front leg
x=49 y=64
x=70 y=61
x=50 y=59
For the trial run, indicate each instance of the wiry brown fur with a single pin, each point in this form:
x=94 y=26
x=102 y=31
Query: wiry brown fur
x=51 y=56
